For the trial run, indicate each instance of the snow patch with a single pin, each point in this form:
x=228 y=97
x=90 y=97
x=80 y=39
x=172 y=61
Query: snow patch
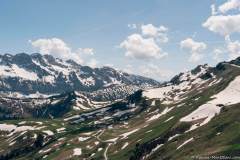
x=156 y=116
x=112 y=140
x=157 y=92
x=81 y=139
x=170 y=138
x=125 y=135
x=60 y=130
x=176 y=92
x=77 y=151
x=184 y=143
x=230 y=95
x=15 y=71
x=13 y=129
x=169 y=119
x=48 y=132
x=125 y=145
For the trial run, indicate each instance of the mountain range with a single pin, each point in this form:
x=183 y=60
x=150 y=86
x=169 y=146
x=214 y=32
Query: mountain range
x=43 y=74
x=55 y=109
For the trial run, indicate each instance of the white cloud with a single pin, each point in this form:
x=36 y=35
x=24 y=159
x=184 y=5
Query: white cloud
x=142 y=48
x=92 y=63
x=154 y=71
x=221 y=23
x=194 y=47
x=87 y=51
x=233 y=48
x=229 y=5
x=213 y=9
x=224 y=25
x=58 y=48
x=132 y=26
x=160 y=33
x=109 y=65
x=54 y=46
x=162 y=29
x=149 y=70
x=162 y=38
x=151 y=30
x=129 y=69
x=217 y=54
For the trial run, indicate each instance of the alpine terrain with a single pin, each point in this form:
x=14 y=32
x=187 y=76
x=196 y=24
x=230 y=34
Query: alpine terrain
x=57 y=110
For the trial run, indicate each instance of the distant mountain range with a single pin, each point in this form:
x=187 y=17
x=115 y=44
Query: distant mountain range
x=25 y=74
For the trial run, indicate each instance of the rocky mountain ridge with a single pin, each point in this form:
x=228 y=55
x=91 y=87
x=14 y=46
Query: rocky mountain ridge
x=25 y=74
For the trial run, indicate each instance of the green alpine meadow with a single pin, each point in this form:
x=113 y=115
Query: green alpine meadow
x=119 y=80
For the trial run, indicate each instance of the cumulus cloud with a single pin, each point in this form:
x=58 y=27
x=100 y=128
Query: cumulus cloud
x=142 y=48
x=233 y=48
x=129 y=69
x=223 y=24
x=145 y=45
x=149 y=70
x=195 y=48
x=154 y=71
x=160 y=33
x=58 y=48
x=213 y=9
x=151 y=30
x=92 y=63
x=54 y=46
x=217 y=54
x=229 y=5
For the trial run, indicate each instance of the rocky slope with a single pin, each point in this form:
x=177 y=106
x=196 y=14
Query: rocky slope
x=194 y=115
x=25 y=74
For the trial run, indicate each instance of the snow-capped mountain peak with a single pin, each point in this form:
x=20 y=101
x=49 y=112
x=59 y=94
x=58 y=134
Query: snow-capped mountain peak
x=28 y=74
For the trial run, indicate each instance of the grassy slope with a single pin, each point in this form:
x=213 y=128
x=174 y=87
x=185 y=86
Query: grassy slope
x=206 y=138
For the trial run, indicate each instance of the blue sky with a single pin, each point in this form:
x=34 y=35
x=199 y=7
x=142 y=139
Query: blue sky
x=104 y=25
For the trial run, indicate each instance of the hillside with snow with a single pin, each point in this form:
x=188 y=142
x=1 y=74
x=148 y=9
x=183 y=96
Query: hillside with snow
x=195 y=113
x=44 y=74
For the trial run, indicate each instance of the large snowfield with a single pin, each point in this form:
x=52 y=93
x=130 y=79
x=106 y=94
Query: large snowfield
x=230 y=95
